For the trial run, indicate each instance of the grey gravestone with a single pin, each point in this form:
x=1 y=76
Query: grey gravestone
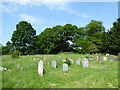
x=90 y=58
x=40 y=68
x=65 y=67
x=78 y=62
x=97 y=58
x=111 y=58
x=118 y=56
x=85 y=62
x=48 y=63
x=107 y=54
x=100 y=59
x=54 y=64
x=105 y=58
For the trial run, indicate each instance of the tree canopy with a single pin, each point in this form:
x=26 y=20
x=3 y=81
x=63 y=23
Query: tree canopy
x=93 y=38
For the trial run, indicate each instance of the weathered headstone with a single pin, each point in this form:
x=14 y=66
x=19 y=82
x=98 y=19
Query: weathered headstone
x=85 y=62
x=97 y=58
x=54 y=64
x=78 y=62
x=118 y=56
x=40 y=68
x=18 y=65
x=100 y=59
x=105 y=58
x=65 y=67
x=90 y=58
x=111 y=58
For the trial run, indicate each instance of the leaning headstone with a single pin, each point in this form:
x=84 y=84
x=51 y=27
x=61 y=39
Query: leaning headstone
x=111 y=58
x=118 y=56
x=54 y=64
x=100 y=58
x=40 y=68
x=105 y=58
x=78 y=62
x=65 y=67
x=85 y=62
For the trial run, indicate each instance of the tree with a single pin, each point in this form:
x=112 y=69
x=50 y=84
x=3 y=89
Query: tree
x=94 y=31
x=111 y=39
x=23 y=37
x=56 y=39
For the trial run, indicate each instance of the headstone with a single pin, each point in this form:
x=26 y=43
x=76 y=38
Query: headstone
x=78 y=62
x=65 y=67
x=107 y=54
x=118 y=56
x=100 y=58
x=40 y=68
x=111 y=58
x=34 y=59
x=54 y=64
x=71 y=60
x=64 y=60
x=90 y=58
x=105 y=58
x=85 y=62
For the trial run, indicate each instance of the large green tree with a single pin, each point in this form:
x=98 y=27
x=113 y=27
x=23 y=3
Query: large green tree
x=23 y=37
x=111 y=39
x=56 y=39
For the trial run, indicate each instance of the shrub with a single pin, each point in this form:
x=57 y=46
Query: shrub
x=15 y=54
x=68 y=62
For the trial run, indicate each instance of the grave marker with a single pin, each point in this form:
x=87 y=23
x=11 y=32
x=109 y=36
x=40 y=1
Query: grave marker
x=85 y=62
x=105 y=58
x=100 y=58
x=111 y=58
x=40 y=68
x=54 y=64
x=65 y=67
x=78 y=62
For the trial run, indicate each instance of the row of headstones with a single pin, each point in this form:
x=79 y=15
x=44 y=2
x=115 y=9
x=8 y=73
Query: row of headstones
x=65 y=66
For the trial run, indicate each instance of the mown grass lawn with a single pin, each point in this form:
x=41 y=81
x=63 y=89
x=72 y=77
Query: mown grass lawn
x=98 y=75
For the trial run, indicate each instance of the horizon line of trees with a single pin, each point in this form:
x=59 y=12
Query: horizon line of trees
x=93 y=38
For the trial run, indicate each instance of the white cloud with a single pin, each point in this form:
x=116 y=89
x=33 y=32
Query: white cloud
x=29 y=18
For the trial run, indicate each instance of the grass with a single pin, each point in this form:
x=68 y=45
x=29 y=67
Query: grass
x=98 y=75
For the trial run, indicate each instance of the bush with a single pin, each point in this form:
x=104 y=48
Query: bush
x=68 y=62
x=15 y=54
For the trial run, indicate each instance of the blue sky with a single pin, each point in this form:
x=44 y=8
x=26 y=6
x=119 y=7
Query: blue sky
x=48 y=14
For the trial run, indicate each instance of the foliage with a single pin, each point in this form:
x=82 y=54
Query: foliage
x=23 y=37
x=68 y=61
x=15 y=54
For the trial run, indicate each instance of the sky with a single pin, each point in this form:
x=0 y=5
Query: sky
x=42 y=15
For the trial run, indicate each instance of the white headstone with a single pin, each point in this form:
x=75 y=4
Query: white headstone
x=54 y=64
x=40 y=68
x=65 y=67
x=85 y=62
x=78 y=62
x=105 y=58
x=107 y=54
